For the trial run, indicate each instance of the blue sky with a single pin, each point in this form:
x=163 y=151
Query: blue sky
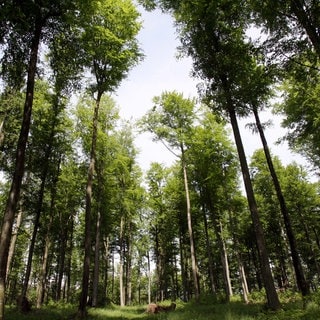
x=162 y=71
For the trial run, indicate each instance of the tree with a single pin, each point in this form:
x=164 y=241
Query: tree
x=301 y=281
x=111 y=50
x=214 y=176
x=162 y=226
x=292 y=25
x=170 y=121
x=292 y=179
x=300 y=104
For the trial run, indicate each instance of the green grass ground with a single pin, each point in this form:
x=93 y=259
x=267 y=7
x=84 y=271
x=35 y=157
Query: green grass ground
x=293 y=309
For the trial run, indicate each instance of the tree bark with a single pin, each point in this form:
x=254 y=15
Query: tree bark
x=95 y=283
x=209 y=252
x=13 y=241
x=225 y=264
x=272 y=296
x=301 y=280
x=43 y=272
x=191 y=238
x=149 y=278
x=121 y=264
x=87 y=240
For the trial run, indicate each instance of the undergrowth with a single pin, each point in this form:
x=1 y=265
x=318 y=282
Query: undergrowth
x=293 y=308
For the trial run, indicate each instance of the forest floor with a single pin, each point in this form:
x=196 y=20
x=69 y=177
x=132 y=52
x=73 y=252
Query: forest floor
x=292 y=309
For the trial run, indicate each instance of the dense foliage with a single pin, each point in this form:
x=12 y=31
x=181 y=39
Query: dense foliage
x=83 y=224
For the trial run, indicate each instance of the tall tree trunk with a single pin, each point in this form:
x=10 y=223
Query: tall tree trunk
x=225 y=263
x=149 y=278
x=95 y=283
x=62 y=257
x=184 y=265
x=301 y=280
x=243 y=279
x=36 y=223
x=106 y=267
x=272 y=296
x=14 y=193
x=13 y=241
x=43 y=272
x=189 y=219
x=121 y=264
x=223 y=252
x=70 y=227
x=209 y=252
x=129 y=271
x=87 y=232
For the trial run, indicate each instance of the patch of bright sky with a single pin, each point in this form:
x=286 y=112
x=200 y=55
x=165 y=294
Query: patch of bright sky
x=162 y=71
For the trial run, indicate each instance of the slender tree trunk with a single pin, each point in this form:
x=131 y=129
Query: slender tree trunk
x=225 y=264
x=149 y=278
x=43 y=272
x=36 y=222
x=106 y=268
x=128 y=272
x=95 y=284
x=243 y=279
x=14 y=193
x=121 y=264
x=272 y=296
x=301 y=281
x=223 y=257
x=69 y=257
x=1 y=132
x=189 y=219
x=87 y=236
x=209 y=252
x=217 y=226
x=13 y=241
x=62 y=257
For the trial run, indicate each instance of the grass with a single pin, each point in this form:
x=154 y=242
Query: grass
x=293 y=309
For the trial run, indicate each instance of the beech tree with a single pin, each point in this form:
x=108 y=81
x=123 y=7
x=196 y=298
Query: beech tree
x=214 y=174
x=170 y=120
x=109 y=43
x=292 y=25
x=162 y=221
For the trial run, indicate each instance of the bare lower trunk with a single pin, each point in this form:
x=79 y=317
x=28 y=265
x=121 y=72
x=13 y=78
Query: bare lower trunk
x=300 y=277
x=209 y=253
x=121 y=264
x=13 y=241
x=87 y=236
x=96 y=263
x=149 y=278
x=43 y=272
x=272 y=296
x=225 y=265
x=191 y=238
x=243 y=279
